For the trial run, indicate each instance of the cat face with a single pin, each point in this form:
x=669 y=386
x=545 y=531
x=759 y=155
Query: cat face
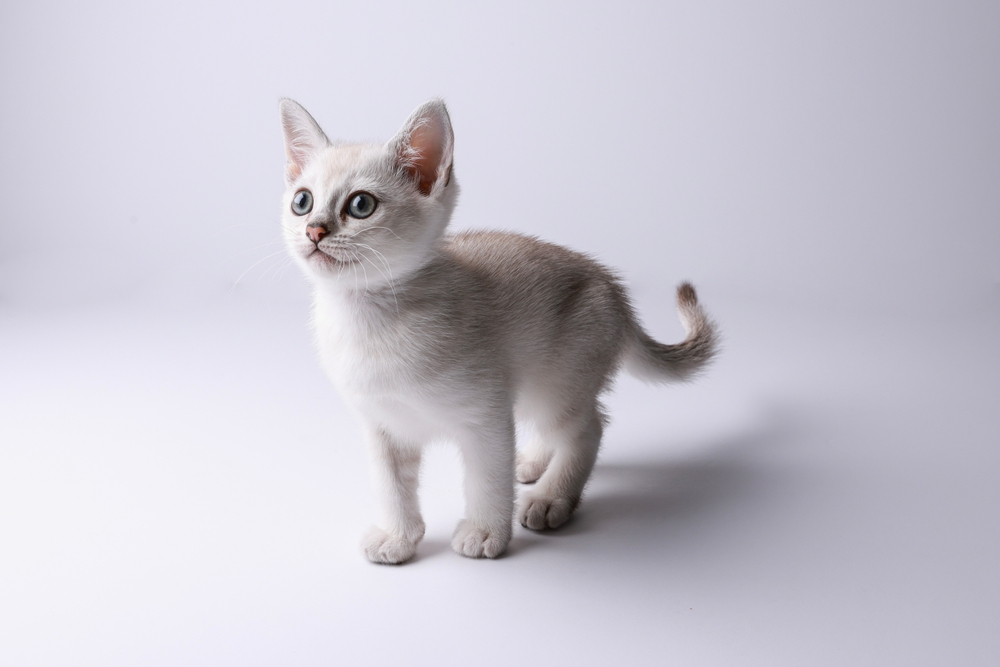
x=372 y=212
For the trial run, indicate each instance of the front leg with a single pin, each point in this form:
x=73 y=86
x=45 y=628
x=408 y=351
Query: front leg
x=488 y=454
x=395 y=472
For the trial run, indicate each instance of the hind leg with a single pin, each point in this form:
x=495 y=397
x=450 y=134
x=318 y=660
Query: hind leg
x=532 y=460
x=574 y=441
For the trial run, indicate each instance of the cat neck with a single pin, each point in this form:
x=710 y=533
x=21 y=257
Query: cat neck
x=354 y=295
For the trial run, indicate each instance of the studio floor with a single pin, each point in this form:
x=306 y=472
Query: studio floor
x=181 y=486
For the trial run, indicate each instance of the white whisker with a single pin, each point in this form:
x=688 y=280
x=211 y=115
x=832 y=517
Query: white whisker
x=385 y=263
x=257 y=247
x=231 y=289
x=276 y=267
x=367 y=229
x=376 y=267
x=361 y=264
x=280 y=272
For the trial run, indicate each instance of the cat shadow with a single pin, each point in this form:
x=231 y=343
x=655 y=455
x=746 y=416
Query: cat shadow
x=631 y=499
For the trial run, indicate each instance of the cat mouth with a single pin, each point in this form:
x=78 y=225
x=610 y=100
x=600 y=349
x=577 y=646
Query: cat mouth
x=326 y=258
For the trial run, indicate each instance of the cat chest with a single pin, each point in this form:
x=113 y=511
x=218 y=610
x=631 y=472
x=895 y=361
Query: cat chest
x=363 y=364
x=392 y=385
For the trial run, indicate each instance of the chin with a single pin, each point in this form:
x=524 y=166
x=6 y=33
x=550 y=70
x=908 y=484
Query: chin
x=321 y=264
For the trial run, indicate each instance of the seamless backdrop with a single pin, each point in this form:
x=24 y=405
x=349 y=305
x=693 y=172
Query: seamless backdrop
x=180 y=485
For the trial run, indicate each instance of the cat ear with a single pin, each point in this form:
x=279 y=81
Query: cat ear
x=423 y=148
x=303 y=137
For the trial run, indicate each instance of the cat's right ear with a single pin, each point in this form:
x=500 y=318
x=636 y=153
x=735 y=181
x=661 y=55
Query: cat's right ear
x=303 y=137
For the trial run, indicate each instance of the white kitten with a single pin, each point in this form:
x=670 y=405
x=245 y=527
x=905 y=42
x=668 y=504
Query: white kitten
x=437 y=337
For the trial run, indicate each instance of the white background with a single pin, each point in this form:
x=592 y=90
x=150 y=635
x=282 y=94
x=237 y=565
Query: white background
x=180 y=485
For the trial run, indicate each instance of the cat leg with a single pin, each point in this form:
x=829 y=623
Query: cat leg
x=575 y=441
x=488 y=455
x=396 y=471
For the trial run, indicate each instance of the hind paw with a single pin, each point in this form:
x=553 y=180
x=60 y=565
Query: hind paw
x=541 y=513
x=529 y=470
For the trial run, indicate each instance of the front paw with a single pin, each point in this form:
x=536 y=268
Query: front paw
x=382 y=547
x=475 y=542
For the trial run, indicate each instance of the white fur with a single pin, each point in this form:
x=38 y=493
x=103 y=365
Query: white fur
x=432 y=337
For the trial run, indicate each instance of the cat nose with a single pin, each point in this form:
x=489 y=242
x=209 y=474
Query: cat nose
x=316 y=230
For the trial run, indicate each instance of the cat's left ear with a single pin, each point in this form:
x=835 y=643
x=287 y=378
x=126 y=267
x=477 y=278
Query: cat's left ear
x=424 y=147
x=303 y=137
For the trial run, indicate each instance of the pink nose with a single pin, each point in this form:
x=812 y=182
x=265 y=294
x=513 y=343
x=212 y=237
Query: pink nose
x=316 y=231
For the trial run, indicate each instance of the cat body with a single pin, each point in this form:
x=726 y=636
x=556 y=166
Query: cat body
x=436 y=337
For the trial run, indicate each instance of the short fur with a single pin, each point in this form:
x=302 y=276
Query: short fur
x=454 y=337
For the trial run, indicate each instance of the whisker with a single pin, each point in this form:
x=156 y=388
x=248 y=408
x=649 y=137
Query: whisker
x=231 y=289
x=355 y=269
x=257 y=247
x=280 y=272
x=367 y=229
x=355 y=253
x=276 y=267
x=385 y=263
x=379 y=255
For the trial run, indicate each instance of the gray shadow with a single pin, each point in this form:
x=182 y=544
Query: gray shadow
x=719 y=478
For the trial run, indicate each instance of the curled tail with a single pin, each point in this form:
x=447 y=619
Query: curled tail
x=649 y=360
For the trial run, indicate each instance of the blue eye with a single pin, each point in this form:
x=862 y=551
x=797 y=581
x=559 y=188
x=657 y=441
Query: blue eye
x=361 y=205
x=302 y=202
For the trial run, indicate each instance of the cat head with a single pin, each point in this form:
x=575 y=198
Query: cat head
x=370 y=211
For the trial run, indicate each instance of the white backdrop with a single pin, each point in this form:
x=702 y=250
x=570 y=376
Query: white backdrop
x=179 y=485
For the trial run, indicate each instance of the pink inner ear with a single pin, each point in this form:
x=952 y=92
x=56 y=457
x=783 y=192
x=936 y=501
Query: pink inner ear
x=427 y=144
x=292 y=171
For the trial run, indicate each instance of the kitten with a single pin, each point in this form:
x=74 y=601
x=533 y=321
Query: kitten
x=452 y=337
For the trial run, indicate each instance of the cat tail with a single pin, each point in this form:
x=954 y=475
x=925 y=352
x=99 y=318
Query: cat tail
x=651 y=361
